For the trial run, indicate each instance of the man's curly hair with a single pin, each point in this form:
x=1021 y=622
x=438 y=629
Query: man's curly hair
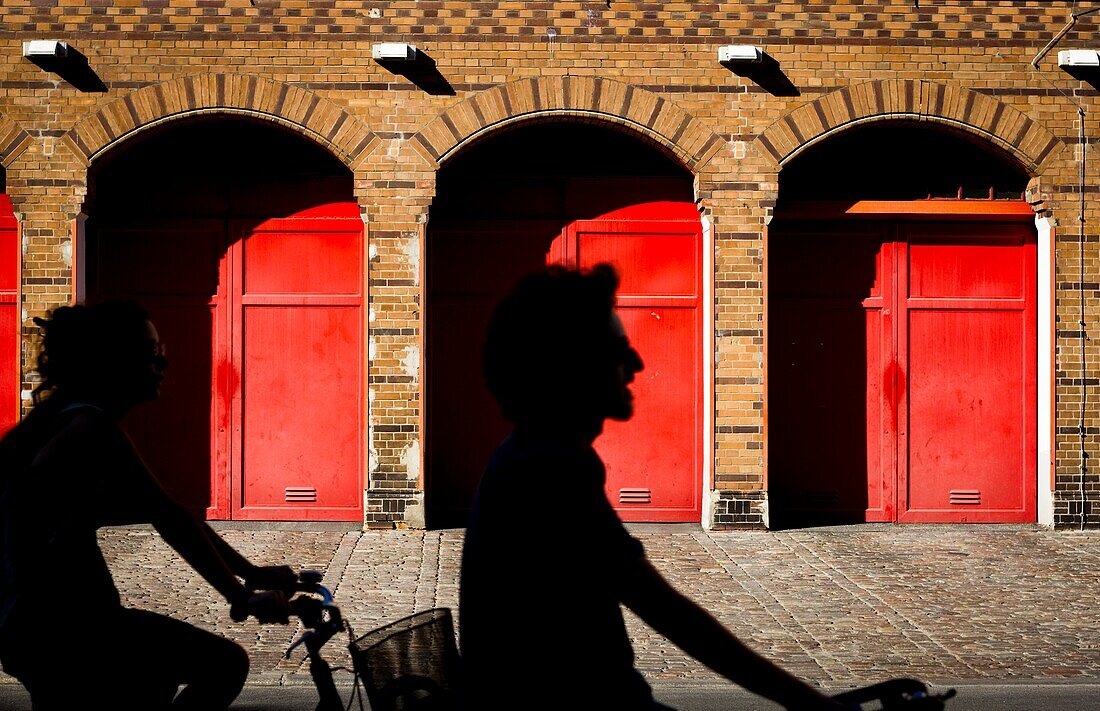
x=547 y=341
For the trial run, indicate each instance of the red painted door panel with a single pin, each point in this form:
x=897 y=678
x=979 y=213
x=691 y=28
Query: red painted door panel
x=9 y=316
x=297 y=415
x=928 y=399
x=470 y=268
x=172 y=268
x=830 y=437
x=654 y=460
x=968 y=416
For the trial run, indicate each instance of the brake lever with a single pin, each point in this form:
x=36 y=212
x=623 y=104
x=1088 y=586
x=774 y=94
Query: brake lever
x=311 y=611
x=308 y=634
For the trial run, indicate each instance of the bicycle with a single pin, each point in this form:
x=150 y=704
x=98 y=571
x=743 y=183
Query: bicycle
x=323 y=621
x=413 y=663
x=408 y=664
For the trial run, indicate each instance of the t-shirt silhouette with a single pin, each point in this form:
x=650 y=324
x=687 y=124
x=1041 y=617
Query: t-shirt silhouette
x=543 y=566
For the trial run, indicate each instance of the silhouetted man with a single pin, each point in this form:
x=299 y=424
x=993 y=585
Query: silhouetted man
x=547 y=562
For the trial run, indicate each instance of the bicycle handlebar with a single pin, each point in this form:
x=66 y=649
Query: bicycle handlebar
x=319 y=615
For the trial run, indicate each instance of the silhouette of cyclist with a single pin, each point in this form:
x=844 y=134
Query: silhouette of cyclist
x=547 y=562
x=66 y=470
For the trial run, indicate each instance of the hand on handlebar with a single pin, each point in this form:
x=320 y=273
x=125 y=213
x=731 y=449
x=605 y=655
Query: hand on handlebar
x=267 y=606
x=271 y=577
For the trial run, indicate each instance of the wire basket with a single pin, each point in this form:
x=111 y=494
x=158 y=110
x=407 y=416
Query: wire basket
x=411 y=664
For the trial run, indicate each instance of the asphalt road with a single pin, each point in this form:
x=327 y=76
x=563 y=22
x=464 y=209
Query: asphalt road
x=696 y=696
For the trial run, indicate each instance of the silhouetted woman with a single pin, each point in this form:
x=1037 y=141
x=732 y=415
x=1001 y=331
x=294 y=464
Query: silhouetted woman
x=66 y=470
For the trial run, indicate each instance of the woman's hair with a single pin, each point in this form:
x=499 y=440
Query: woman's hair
x=82 y=346
x=547 y=341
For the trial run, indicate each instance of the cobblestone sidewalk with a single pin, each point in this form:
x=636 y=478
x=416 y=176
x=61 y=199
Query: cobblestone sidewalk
x=837 y=606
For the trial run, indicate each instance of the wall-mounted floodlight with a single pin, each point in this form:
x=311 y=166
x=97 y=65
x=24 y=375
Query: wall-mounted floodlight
x=740 y=54
x=1079 y=58
x=67 y=62
x=393 y=52
x=45 y=49
x=414 y=64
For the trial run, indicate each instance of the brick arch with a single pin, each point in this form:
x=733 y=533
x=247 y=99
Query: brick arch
x=302 y=111
x=977 y=114
x=655 y=118
x=13 y=140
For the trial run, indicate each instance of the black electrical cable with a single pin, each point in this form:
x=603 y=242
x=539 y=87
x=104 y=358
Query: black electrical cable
x=1082 y=324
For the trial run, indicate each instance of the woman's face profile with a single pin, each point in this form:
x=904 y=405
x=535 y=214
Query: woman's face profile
x=146 y=366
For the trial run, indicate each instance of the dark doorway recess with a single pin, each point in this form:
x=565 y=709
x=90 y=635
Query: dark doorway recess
x=244 y=241
x=571 y=192
x=900 y=160
x=901 y=333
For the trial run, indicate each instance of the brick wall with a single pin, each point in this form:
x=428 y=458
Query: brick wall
x=649 y=68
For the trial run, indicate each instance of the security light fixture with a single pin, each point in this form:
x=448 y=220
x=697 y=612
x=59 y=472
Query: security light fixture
x=740 y=54
x=394 y=52
x=1079 y=59
x=45 y=49
x=57 y=57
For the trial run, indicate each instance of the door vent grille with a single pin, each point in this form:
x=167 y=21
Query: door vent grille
x=966 y=497
x=821 y=499
x=300 y=495
x=635 y=496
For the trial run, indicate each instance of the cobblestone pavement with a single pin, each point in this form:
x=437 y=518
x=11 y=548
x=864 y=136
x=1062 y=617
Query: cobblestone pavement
x=837 y=606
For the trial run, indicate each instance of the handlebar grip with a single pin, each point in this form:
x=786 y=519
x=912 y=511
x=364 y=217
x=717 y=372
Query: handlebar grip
x=238 y=612
x=310 y=577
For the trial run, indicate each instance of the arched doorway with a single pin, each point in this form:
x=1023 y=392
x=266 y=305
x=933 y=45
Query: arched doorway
x=10 y=318
x=901 y=332
x=578 y=194
x=244 y=241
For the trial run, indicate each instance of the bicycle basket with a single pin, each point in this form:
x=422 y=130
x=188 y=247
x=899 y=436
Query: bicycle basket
x=411 y=664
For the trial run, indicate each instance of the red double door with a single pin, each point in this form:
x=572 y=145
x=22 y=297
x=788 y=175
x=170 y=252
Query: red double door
x=654 y=461
x=902 y=372
x=261 y=414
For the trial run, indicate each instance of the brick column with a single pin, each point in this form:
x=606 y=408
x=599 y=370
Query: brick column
x=395 y=187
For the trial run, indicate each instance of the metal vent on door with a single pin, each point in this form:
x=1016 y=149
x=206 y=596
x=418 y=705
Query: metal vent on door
x=967 y=497
x=635 y=496
x=300 y=495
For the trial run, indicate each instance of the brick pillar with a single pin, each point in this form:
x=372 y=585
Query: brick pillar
x=395 y=186
x=47 y=185
x=737 y=190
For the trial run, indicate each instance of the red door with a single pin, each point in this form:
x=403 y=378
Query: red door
x=260 y=417
x=967 y=418
x=902 y=373
x=297 y=330
x=175 y=269
x=471 y=266
x=654 y=460
x=9 y=316
x=830 y=385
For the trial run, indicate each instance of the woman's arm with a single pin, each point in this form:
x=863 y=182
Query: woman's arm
x=125 y=491
x=261 y=577
x=187 y=535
